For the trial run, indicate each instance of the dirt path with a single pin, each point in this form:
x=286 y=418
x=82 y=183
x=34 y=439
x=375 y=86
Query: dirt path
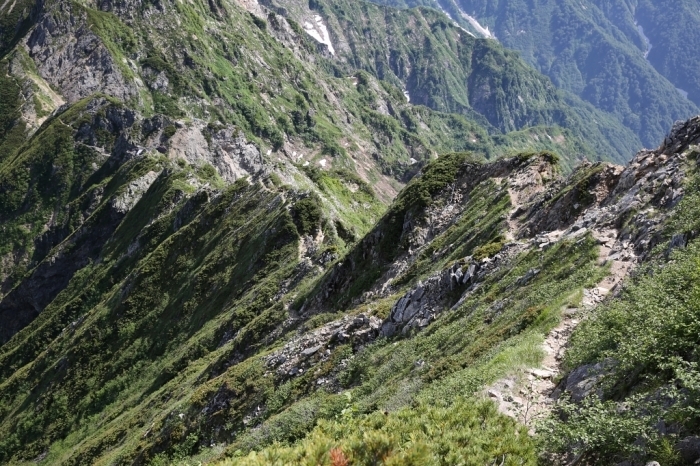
x=526 y=394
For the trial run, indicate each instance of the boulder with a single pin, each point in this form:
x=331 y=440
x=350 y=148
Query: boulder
x=689 y=449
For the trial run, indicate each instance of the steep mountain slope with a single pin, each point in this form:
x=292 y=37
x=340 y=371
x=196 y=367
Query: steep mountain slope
x=203 y=250
x=476 y=325
x=247 y=100
x=669 y=50
x=205 y=332
x=439 y=65
x=595 y=50
x=198 y=95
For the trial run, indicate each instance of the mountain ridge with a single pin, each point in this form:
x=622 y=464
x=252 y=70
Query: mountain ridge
x=595 y=50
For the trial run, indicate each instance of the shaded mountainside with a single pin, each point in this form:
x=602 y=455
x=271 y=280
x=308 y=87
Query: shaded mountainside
x=621 y=56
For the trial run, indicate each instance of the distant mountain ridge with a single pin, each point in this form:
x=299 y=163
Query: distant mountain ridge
x=596 y=49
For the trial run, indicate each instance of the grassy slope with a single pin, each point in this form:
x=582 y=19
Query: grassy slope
x=186 y=316
x=179 y=304
x=462 y=351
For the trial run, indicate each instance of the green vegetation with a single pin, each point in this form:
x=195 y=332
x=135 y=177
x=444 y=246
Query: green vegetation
x=12 y=130
x=156 y=291
x=467 y=432
x=594 y=51
x=672 y=50
x=307 y=215
x=185 y=304
x=453 y=72
x=14 y=23
x=646 y=340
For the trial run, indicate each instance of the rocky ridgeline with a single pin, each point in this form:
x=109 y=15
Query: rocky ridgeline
x=315 y=347
x=623 y=208
x=628 y=219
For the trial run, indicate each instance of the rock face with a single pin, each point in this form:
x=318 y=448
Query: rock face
x=310 y=349
x=70 y=57
x=582 y=382
x=134 y=137
x=227 y=150
x=689 y=449
x=421 y=305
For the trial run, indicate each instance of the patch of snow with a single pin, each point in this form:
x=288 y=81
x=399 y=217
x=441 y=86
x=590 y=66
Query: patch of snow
x=322 y=163
x=457 y=25
x=306 y=164
x=319 y=31
x=646 y=39
x=408 y=97
x=484 y=31
x=411 y=161
x=269 y=151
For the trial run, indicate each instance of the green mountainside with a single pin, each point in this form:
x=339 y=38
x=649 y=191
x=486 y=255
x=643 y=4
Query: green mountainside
x=438 y=65
x=672 y=49
x=328 y=233
x=597 y=50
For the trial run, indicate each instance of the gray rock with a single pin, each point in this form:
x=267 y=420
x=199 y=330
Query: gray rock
x=525 y=279
x=411 y=311
x=69 y=56
x=311 y=351
x=397 y=311
x=495 y=394
x=469 y=274
x=541 y=373
x=583 y=381
x=418 y=294
x=678 y=241
x=689 y=449
x=388 y=329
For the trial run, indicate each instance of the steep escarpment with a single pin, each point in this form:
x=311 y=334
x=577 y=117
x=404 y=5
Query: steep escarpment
x=88 y=89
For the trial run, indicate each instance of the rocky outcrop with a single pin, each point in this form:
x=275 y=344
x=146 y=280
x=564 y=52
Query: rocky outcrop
x=423 y=304
x=70 y=57
x=133 y=192
x=312 y=348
